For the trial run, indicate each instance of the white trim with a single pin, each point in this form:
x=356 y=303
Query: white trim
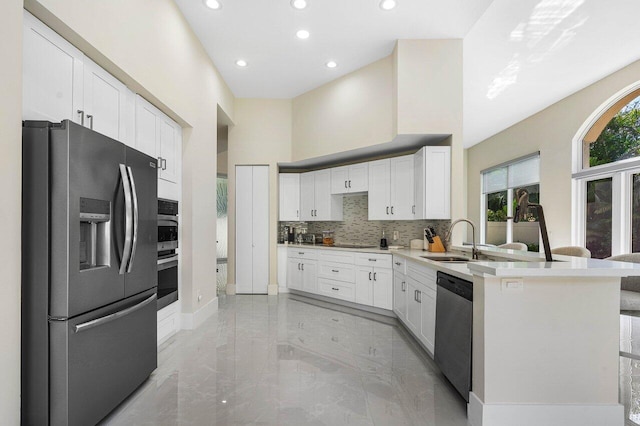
x=589 y=122
x=283 y=289
x=195 y=319
x=480 y=414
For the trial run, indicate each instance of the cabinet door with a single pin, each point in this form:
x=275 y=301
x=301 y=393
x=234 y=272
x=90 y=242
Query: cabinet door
x=358 y=180
x=51 y=74
x=244 y=231
x=294 y=274
x=413 y=307
x=428 y=318
x=282 y=266
x=418 y=181
x=383 y=288
x=400 y=295
x=147 y=127
x=104 y=102
x=307 y=196
x=438 y=182
x=169 y=149
x=260 y=229
x=402 y=188
x=339 y=180
x=379 y=189
x=364 y=285
x=310 y=276
x=289 y=197
x=322 y=195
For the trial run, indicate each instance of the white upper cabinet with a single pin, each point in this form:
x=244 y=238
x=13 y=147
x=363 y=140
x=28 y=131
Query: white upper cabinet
x=391 y=191
x=316 y=201
x=60 y=83
x=289 y=197
x=52 y=73
x=159 y=136
x=105 y=100
x=349 y=179
x=433 y=182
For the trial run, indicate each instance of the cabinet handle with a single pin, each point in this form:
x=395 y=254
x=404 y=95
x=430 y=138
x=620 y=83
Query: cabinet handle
x=398 y=263
x=349 y=184
x=403 y=286
x=373 y=260
x=164 y=164
x=300 y=252
x=419 y=293
x=90 y=118
x=297 y=213
x=413 y=209
x=81 y=112
x=335 y=270
x=387 y=209
x=369 y=276
x=391 y=209
x=303 y=266
x=336 y=289
x=298 y=266
x=415 y=295
x=374 y=275
x=345 y=184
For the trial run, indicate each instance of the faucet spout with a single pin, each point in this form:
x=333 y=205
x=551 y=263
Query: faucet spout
x=474 y=250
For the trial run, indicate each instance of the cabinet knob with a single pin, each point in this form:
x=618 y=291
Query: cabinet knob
x=334 y=270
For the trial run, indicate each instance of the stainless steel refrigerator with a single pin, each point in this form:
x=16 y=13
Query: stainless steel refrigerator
x=89 y=273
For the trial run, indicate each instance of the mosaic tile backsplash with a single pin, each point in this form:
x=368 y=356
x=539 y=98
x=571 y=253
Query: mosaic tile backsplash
x=355 y=228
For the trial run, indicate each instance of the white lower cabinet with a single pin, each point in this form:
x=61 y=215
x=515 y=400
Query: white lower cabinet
x=400 y=295
x=168 y=322
x=414 y=300
x=343 y=275
x=302 y=270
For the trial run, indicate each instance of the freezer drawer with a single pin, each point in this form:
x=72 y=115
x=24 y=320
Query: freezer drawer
x=98 y=359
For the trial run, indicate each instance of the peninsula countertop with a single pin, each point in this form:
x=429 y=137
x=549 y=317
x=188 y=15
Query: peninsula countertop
x=515 y=263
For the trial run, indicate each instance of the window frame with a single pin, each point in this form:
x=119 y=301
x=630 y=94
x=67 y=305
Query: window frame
x=509 y=190
x=621 y=173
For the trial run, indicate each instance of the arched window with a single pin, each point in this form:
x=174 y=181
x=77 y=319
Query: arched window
x=607 y=182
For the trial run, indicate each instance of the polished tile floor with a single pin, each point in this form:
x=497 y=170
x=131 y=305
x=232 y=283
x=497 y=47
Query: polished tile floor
x=277 y=361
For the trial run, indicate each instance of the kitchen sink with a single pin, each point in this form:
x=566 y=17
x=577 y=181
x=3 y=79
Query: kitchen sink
x=459 y=259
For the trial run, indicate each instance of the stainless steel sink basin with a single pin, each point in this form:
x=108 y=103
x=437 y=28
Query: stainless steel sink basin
x=449 y=259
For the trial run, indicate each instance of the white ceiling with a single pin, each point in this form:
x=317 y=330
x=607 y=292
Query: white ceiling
x=520 y=56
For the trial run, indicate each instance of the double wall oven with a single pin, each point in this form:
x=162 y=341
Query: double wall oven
x=167 y=254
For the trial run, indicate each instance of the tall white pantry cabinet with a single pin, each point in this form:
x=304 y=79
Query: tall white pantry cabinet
x=252 y=229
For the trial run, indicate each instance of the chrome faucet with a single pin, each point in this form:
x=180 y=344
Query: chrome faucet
x=474 y=250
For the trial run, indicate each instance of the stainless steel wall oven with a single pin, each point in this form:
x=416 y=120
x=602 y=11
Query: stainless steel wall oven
x=167 y=255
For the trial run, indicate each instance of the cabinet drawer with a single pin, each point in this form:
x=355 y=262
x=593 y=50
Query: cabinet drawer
x=400 y=264
x=337 y=271
x=374 y=259
x=337 y=289
x=422 y=274
x=302 y=253
x=336 y=256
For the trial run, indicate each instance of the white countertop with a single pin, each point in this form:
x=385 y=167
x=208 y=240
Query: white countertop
x=526 y=264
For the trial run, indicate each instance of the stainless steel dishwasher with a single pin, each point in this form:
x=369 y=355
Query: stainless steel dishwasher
x=454 y=327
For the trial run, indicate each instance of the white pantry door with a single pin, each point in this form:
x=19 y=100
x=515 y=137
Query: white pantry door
x=252 y=229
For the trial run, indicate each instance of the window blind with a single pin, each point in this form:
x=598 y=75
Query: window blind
x=517 y=173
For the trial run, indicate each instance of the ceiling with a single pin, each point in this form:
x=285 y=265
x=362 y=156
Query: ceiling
x=519 y=56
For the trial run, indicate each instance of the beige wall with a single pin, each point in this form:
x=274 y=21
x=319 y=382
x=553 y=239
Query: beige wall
x=351 y=112
x=149 y=46
x=10 y=176
x=551 y=132
x=261 y=136
x=429 y=101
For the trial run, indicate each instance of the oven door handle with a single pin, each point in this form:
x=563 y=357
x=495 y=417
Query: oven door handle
x=168 y=262
x=168 y=217
x=167 y=222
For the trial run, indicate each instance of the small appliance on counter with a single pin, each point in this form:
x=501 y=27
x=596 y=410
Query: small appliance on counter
x=384 y=245
x=328 y=238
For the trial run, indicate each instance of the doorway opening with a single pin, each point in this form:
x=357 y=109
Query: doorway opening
x=221 y=208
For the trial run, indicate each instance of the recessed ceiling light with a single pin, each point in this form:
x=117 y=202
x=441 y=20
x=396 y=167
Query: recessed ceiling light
x=213 y=4
x=299 y=4
x=387 y=4
x=302 y=34
x=331 y=64
x=241 y=63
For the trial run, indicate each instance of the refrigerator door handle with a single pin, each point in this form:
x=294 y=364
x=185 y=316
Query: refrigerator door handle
x=134 y=196
x=126 y=251
x=108 y=318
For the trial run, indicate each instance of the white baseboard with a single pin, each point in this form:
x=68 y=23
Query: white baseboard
x=282 y=289
x=480 y=414
x=194 y=320
x=272 y=290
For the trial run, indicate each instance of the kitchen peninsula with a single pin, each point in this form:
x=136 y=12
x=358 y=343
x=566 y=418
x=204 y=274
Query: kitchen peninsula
x=545 y=334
